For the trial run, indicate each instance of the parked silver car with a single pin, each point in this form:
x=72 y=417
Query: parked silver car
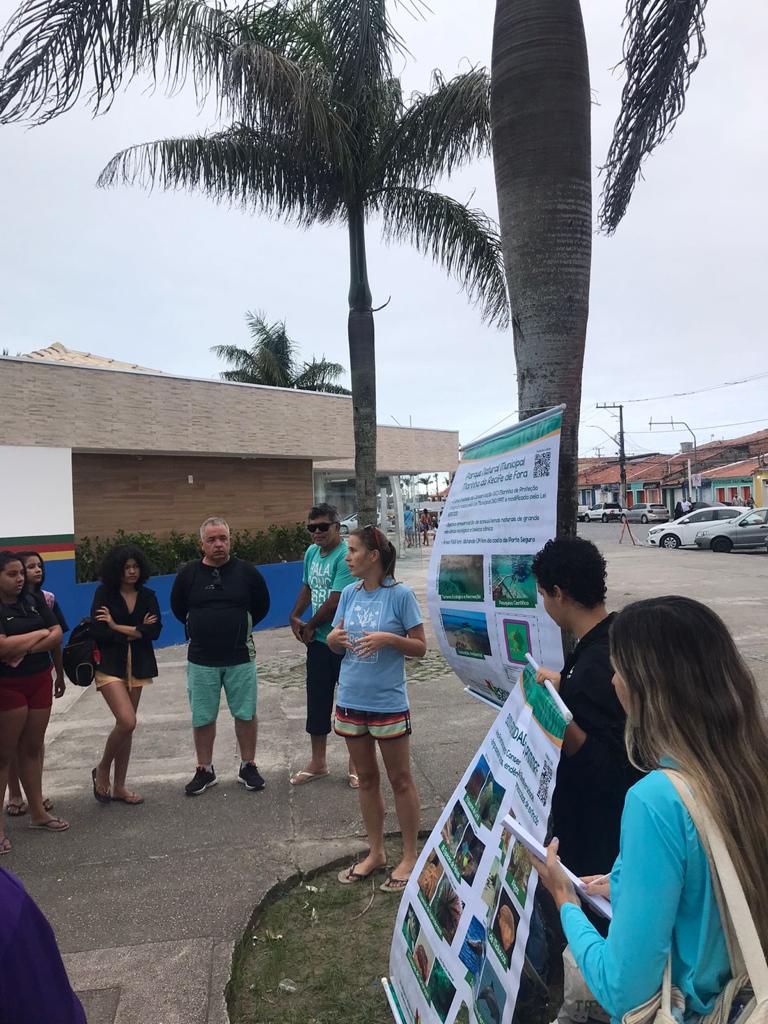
x=646 y=512
x=748 y=531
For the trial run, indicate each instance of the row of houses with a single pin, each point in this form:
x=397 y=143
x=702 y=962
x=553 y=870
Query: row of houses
x=731 y=470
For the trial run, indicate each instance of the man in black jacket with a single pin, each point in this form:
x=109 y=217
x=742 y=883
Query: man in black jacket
x=220 y=599
x=594 y=772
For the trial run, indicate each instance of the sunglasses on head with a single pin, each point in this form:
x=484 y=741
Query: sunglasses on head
x=319 y=527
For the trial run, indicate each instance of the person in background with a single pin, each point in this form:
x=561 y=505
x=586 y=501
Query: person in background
x=376 y=627
x=679 y=510
x=126 y=622
x=424 y=528
x=325 y=575
x=34 y=570
x=220 y=599
x=409 y=523
x=34 y=987
x=28 y=631
x=691 y=704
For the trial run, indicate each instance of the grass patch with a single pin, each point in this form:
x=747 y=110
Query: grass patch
x=332 y=940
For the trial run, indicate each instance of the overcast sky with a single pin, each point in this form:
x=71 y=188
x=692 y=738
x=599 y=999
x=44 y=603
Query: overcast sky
x=678 y=294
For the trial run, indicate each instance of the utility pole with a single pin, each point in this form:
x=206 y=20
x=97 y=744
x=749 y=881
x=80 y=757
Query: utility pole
x=622 y=453
x=674 y=425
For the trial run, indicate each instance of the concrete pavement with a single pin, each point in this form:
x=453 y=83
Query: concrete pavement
x=148 y=901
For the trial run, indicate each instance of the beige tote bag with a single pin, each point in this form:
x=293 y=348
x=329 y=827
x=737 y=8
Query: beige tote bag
x=748 y=986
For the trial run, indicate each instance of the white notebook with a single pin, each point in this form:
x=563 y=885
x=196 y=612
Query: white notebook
x=599 y=904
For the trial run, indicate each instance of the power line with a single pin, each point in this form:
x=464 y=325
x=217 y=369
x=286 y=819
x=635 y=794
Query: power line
x=699 y=391
x=711 y=426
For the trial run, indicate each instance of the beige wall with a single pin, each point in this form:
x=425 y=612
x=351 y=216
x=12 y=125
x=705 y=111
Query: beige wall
x=89 y=409
x=152 y=493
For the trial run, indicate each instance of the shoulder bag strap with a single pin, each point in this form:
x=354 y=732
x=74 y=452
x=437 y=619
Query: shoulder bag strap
x=737 y=919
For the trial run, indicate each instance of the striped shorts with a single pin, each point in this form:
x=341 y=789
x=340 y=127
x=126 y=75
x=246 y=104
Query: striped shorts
x=382 y=725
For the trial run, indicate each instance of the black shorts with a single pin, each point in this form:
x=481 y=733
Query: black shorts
x=323 y=667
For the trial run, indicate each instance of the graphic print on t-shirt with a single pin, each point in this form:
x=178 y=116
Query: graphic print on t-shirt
x=364 y=616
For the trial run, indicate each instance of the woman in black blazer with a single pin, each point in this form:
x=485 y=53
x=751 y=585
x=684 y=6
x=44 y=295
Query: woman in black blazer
x=126 y=619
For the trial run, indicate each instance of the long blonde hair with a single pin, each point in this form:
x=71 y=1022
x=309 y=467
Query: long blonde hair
x=693 y=699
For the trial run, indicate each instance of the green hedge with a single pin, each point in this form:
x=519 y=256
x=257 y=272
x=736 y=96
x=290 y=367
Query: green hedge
x=275 y=544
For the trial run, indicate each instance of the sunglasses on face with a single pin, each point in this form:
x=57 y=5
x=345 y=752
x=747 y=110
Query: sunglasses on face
x=319 y=527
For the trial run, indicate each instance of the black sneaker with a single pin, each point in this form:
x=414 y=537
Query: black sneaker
x=202 y=780
x=250 y=778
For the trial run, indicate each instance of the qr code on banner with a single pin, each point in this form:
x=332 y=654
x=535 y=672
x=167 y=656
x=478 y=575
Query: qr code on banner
x=542 y=464
x=545 y=781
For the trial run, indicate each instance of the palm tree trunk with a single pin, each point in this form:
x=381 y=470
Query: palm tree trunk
x=362 y=368
x=540 y=115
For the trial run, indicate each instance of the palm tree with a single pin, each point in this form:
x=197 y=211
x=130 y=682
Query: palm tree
x=272 y=360
x=319 y=132
x=540 y=103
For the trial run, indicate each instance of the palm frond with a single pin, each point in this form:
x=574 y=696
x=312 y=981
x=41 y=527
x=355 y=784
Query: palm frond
x=321 y=375
x=273 y=352
x=362 y=40
x=238 y=357
x=56 y=46
x=465 y=241
x=268 y=89
x=663 y=46
x=240 y=165
x=441 y=130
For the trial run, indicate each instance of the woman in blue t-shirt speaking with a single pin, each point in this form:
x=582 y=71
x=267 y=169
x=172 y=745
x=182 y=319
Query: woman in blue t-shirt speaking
x=377 y=626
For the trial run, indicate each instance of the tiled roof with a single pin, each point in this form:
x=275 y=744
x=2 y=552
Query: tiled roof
x=59 y=353
x=668 y=470
x=736 y=469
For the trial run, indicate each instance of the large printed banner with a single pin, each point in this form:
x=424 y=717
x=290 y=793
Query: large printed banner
x=482 y=594
x=463 y=924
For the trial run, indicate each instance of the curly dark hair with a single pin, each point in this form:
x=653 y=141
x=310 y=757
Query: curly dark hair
x=576 y=566
x=111 y=570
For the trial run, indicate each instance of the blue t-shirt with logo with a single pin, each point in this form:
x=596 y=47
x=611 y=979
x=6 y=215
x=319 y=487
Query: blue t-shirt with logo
x=376 y=683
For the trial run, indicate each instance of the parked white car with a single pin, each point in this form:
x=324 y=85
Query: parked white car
x=582 y=513
x=604 y=511
x=682 y=532
x=350 y=523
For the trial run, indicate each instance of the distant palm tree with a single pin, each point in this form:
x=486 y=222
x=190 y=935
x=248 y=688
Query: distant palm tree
x=272 y=360
x=320 y=132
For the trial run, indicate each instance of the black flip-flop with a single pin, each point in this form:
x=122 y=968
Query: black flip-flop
x=103 y=798
x=348 y=876
x=131 y=803
x=393 y=884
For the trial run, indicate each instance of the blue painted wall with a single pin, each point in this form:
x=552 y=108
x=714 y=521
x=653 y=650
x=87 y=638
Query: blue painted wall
x=283 y=580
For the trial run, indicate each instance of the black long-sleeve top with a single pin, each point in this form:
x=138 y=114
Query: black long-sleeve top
x=113 y=646
x=220 y=605
x=591 y=784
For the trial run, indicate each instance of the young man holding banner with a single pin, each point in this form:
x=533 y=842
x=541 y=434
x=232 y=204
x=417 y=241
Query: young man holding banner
x=594 y=773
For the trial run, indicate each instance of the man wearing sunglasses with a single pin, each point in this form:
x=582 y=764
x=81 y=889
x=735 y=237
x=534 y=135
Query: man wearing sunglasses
x=325 y=575
x=220 y=599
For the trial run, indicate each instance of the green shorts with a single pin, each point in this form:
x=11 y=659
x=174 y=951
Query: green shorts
x=204 y=683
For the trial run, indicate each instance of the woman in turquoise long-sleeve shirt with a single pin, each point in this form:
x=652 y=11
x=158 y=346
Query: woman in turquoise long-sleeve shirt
x=691 y=702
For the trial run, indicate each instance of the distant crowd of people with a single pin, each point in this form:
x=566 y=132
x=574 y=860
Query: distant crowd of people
x=659 y=686
x=418 y=526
